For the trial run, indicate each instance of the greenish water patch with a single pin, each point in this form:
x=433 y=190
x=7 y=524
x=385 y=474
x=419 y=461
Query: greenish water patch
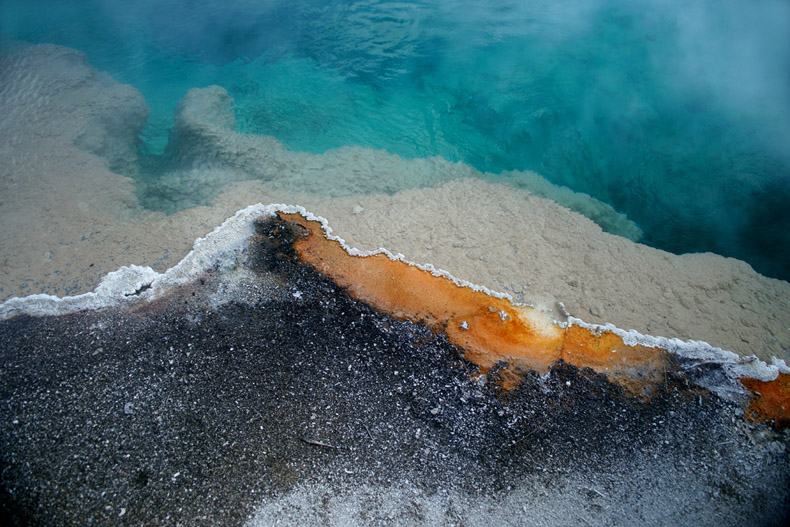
x=674 y=113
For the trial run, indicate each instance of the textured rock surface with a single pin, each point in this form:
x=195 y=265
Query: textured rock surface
x=264 y=395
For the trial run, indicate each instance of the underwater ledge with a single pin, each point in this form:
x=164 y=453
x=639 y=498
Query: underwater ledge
x=274 y=364
x=71 y=218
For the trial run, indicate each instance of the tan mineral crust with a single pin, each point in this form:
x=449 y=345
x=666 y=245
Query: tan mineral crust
x=69 y=217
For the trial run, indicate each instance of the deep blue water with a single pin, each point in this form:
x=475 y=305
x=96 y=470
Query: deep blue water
x=677 y=113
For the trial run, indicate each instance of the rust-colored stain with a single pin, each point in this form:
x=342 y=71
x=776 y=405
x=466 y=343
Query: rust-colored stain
x=635 y=367
x=771 y=401
x=489 y=329
x=493 y=333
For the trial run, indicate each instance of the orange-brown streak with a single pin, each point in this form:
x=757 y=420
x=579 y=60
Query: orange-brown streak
x=405 y=291
x=635 y=367
x=525 y=340
x=771 y=401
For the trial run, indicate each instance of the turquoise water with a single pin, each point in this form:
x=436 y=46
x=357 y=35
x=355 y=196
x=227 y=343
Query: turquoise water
x=677 y=113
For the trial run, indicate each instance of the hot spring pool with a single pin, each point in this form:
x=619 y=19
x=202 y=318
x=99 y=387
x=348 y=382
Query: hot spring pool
x=677 y=114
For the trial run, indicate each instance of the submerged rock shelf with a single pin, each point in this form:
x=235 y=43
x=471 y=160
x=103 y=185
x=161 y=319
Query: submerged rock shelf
x=70 y=218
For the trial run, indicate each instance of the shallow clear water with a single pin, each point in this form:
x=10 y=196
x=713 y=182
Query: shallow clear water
x=677 y=113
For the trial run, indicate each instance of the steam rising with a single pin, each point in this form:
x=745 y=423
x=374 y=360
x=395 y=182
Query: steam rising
x=677 y=113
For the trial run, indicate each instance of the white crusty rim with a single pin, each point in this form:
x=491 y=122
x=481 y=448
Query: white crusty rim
x=223 y=246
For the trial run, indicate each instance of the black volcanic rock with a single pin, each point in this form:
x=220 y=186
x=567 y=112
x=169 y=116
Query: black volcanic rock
x=266 y=387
